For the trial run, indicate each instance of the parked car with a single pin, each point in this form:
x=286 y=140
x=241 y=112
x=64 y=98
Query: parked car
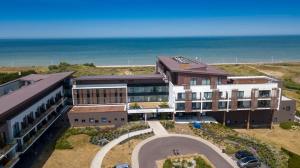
x=242 y=153
x=124 y=165
x=248 y=162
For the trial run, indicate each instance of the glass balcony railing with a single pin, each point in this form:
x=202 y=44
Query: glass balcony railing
x=29 y=127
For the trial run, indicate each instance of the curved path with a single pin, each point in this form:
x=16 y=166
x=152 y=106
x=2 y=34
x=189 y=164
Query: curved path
x=159 y=147
x=97 y=161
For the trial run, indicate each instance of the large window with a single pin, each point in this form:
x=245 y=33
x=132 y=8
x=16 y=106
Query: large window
x=263 y=103
x=208 y=95
x=240 y=94
x=196 y=106
x=207 y=105
x=193 y=81
x=180 y=106
x=222 y=105
x=180 y=96
x=205 y=81
x=264 y=93
x=219 y=81
x=194 y=96
x=244 y=104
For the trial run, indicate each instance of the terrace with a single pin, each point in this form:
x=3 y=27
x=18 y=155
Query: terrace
x=148 y=107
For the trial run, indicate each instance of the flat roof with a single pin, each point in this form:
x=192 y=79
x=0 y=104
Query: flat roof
x=182 y=64
x=98 y=109
x=40 y=83
x=120 y=77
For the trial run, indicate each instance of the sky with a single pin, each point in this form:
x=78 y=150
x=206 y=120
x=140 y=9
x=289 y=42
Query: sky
x=147 y=18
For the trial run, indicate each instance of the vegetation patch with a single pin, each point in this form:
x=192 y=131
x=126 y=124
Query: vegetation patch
x=294 y=159
x=97 y=133
x=168 y=124
x=231 y=141
x=289 y=125
x=6 y=77
x=185 y=161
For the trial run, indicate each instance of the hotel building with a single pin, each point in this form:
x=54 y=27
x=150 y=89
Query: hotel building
x=29 y=106
x=182 y=89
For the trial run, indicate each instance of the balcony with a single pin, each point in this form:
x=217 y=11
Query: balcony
x=7 y=148
x=37 y=120
x=11 y=162
x=41 y=128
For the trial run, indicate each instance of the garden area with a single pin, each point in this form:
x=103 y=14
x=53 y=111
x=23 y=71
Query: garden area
x=99 y=135
x=231 y=141
x=122 y=152
x=185 y=161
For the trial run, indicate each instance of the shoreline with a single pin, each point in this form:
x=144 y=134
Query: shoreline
x=153 y=65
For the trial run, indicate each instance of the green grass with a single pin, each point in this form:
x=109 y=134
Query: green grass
x=242 y=69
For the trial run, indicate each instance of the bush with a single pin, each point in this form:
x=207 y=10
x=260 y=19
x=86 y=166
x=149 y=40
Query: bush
x=135 y=106
x=168 y=124
x=286 y=125
x=200 y=163
x=6 y=77
x=168 y=163
x=290 y=84
x=294 y=159
x=63 y=144
x=164 y=105
x=89 y=64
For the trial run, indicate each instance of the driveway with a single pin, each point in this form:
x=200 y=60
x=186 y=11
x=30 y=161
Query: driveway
x=162 y=147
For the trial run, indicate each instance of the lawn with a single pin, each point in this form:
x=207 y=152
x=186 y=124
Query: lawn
x=289 y=139
x=79 y=157
x=122 y=152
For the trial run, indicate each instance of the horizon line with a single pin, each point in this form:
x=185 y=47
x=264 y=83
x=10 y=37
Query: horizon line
x=144 y=37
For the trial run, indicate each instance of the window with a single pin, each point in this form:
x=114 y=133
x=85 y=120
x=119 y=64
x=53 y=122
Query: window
x=193 y=81
x=207 y=105
x=76 y=120
x=181 y=96
x=83 y=121
x=96 y=121
x=244 y=104
x=103 y=119
x=91 y=120
x=264 y=93
x=180 y=106
x=288 y=108
x=116 y=119
x=222 y=105
x=122 y=119
x=195 y=106
x=205 y=81
x=240 y=94
x=194 y=96
x=219 y=81
x=263 y=103
x=208 y=95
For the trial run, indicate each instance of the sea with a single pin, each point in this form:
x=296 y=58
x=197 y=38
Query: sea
x=144 y=51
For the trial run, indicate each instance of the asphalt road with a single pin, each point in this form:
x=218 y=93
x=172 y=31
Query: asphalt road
x=161 y=148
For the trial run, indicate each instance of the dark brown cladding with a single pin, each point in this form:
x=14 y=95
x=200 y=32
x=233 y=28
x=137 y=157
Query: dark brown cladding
x=17 y=101
x=115 y=79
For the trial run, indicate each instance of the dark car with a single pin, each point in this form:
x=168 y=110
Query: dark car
x=242 y=153
x=248 y=162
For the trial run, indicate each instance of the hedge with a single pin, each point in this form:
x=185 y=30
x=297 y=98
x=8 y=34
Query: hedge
x=294 y=159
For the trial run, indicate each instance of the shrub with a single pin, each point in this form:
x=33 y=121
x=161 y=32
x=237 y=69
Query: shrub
x=201 y=163
x=63 y=144
x=294 y=159
x=6 y=77
x=290 y=84
x=230 y=149
x=135 y=106
x=163 y=105
x=89 y=64
x=286 y=125
x=168 y=124
x=168 y=163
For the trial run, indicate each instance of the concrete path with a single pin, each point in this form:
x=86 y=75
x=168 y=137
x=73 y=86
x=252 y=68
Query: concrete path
x=97 y=161
x=158 y=129
x=159 y=147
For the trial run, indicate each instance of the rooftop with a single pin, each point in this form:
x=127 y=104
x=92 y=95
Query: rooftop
x=98 y=109
x=120 y=77
x=182 y=64
x=38 y=84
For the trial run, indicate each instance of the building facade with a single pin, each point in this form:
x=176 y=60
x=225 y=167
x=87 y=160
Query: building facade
x=187 y=90
x=29 y=106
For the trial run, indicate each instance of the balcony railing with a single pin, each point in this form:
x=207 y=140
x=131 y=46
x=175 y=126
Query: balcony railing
x=11 y=162
x=38 y=119
x=41 y=130
x=7 y=148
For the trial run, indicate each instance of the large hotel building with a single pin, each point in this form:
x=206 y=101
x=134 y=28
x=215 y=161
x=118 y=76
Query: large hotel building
x=184 y=90
x=29 y=106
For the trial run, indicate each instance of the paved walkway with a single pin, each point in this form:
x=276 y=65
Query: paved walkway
x=159 y=147
x=97 y=161
x=158 y=129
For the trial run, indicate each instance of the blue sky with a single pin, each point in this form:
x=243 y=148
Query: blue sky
x=141 y=18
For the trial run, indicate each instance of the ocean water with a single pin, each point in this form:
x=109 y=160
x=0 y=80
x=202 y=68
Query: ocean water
x=143 y=51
